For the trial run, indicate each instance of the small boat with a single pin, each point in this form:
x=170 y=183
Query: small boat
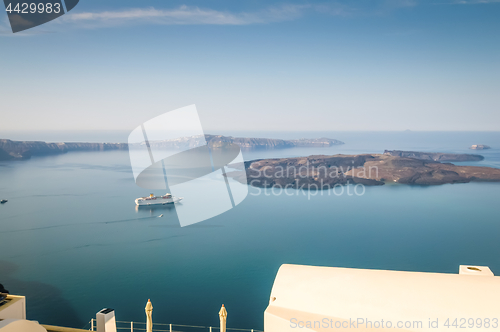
x=3 y=201
x=158 y=200
x=161 y=215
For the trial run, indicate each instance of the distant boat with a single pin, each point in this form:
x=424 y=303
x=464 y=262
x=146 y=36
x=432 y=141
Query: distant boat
x=3 y=201
x=158 y=200
x=480 y=147
x=161 y=215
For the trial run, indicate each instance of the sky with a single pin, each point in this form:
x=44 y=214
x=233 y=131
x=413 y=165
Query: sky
x=257 y=65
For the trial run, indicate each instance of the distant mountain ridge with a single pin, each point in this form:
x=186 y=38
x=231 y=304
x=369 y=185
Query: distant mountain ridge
x=219 y=141
x=19 y=150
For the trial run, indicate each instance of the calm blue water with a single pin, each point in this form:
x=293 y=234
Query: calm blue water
x=72 y=241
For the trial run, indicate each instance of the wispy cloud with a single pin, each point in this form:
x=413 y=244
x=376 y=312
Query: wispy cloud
x=394 y=4
x=470 y=2
x=192 y=15
x=477 y=1
x=189 y=15
x=186 y=15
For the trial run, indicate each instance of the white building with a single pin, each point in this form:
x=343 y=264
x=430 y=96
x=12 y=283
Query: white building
x=311 y=298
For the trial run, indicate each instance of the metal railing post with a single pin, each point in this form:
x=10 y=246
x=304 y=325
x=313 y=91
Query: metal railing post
x=170 y=327
x=131 y=326
x=92 y=324
x=210 y=329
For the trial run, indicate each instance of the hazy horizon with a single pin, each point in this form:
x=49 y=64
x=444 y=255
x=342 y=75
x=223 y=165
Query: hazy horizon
x=121 y=136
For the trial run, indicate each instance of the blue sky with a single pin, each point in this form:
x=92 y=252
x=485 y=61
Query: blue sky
x=257 y=65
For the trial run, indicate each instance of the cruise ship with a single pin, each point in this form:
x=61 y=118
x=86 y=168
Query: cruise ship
x=157 y=200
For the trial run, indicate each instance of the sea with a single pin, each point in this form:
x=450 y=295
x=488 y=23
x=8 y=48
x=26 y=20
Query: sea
x=73 y=242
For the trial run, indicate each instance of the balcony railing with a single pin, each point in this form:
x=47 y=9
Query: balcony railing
x=160 y=327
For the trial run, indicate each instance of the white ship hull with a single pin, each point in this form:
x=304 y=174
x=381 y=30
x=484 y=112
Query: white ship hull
x=157 y=200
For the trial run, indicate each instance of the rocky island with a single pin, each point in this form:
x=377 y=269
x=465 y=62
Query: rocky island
x=435 y=156
x=19 y=150
x=324 y=172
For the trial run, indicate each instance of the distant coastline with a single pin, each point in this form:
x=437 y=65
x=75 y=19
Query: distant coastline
x=22 y=150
